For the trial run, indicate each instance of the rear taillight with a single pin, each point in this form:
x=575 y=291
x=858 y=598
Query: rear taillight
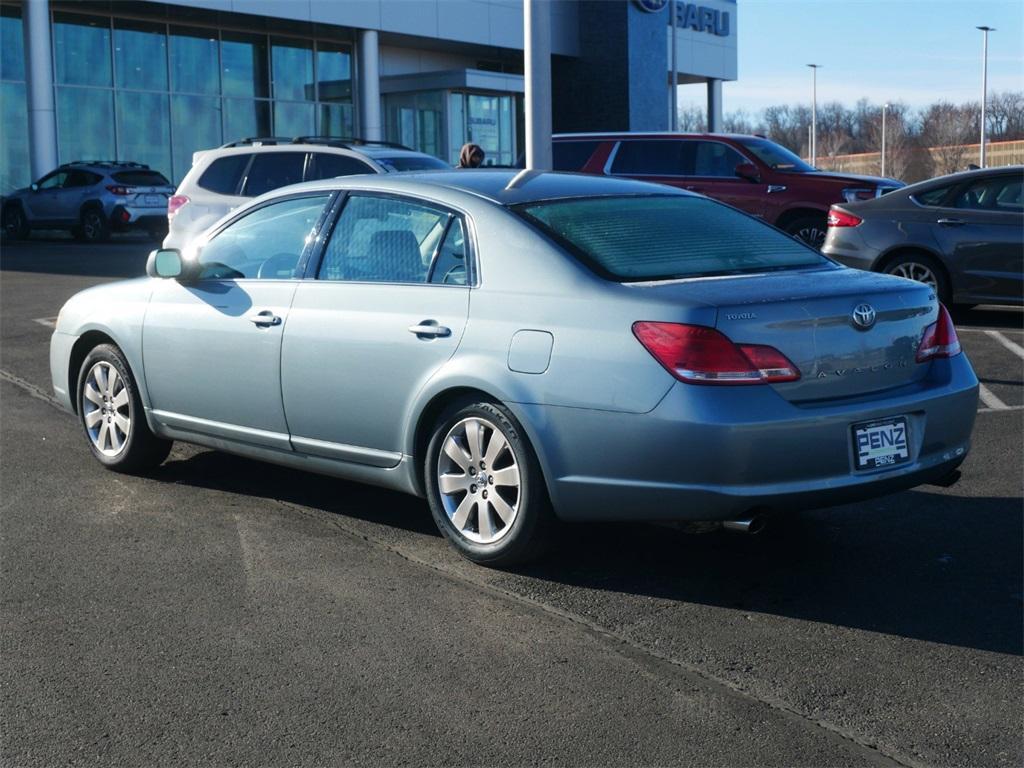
x=840 y=218
x=700 y=355
x=939 y=340
x=174 y=204
x=115 y=190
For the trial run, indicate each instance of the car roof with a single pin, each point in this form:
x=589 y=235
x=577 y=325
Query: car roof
x=956 y=178
x=617 y=135
x=504 y=187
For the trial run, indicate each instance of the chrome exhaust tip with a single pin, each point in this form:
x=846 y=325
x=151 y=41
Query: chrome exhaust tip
x=748 y=525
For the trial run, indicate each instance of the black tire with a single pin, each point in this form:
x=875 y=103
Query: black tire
x=904 y=266
x=93 y=226
x=810 y=230
x=15 y=223
x=140 y=449
x=531 y=530
x=157 y=232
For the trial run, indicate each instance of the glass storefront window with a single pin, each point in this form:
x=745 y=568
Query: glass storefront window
x=195 y=60
x=244 y=118
x=336 y=120
x=489 y=124
x=244 y=65
x=195 y=125
x=415 y=120
x=293 y=119
x=81 y=48
x=14 y=162
x=333 y=72
x=292 y=69
x=456 y=126
x=144 y=129
x=12 y=54
x=140 y=55
x=85 y=124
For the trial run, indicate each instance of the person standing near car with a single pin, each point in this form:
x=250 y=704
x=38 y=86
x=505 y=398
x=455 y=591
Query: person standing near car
x=471 y=156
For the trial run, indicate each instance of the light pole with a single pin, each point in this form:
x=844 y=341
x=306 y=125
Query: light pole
x=814 y=112
x=984 y=85
x=884 y=108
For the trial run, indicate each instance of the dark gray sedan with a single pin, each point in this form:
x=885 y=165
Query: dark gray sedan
x=961 y=234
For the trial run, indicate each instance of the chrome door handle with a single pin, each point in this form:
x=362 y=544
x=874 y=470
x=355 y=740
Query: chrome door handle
x=430 y=329
x=694 y=189
x=951 y=222
x=776 y=188
x=265 y=318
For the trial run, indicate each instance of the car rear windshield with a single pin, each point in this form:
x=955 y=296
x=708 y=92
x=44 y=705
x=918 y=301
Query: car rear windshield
x=412 y=163
x=632 y=239
x=776 y=157
x=141 y=178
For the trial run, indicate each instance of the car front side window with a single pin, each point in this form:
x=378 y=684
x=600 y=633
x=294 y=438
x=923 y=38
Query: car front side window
x=383 y=240
x=265 y=244
x=53 y=181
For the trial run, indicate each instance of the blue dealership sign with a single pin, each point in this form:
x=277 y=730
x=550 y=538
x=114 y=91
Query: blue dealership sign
x=651 y=6
x=699 y=18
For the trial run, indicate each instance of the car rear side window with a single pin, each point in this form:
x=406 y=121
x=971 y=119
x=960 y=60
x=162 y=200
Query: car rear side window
x=224 y=174
x=271 y=170
x=383 y=240
x=327 y=166
x=932 y=197
x=265 y=244
x=141 y=178
x=654 y=157
x=632 y=239
x=572 y=155
x=1001 y=193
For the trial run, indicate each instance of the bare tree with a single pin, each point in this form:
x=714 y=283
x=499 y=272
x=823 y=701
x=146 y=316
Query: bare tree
x=1005 y=116
x=692 y=119
x=899 y=143
x=947 y=129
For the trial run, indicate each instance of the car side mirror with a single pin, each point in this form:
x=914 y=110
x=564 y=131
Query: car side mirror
x=748 y=171
x=35 y=187
x=168 y=263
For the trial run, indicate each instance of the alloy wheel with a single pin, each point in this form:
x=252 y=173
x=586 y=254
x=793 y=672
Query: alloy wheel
x=914 y=270
x=813 y=236
x=92 y=226
x=478 y=479
x=106 y=409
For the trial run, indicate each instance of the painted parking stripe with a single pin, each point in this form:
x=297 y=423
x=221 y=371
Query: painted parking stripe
x=49 y=322
x=1004 y=409
x=989 y=399
x=1013 y=346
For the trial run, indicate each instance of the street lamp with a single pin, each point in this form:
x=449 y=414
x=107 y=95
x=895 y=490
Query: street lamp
x=814 y=113
x=984 y=85
x=884 y=108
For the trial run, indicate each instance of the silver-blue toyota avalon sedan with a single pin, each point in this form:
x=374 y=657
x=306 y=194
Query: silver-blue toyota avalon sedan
x=522 y=349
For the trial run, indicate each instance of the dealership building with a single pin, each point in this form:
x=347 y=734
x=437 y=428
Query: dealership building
x=155 y=81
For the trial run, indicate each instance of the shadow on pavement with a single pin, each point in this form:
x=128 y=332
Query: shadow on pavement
x=921 y=565
x=123 y=256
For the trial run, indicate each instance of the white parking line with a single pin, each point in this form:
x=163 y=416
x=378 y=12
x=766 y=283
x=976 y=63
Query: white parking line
x=1013 y=346
x=989 y=398
x=1004 y=409
x=49 y=322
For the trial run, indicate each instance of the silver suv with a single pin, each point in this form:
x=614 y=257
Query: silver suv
x=90 y=199
x=224 y=178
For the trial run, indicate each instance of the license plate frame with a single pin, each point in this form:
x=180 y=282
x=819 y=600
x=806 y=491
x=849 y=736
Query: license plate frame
x=890 y=449
x=154 y=200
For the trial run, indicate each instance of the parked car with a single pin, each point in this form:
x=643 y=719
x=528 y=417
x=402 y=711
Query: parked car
x=523 y=348
x=751 y=173
x=90 y=199
x=222 y=179
x=963 y=235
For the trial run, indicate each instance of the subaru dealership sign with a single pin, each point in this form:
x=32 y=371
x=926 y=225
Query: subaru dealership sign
x=699 y=18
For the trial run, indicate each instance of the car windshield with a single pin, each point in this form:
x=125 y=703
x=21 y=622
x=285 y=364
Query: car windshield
x=631 y=239
x=776 y=157
x=412 y=163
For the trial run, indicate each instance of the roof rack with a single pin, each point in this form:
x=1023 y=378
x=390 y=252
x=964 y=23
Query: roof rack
x=257 y=141
x=347 y=141
x=119 y=163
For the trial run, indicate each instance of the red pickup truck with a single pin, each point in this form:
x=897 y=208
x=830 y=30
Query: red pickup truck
x=751 y=173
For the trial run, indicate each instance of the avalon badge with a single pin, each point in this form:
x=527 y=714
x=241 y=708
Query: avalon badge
x=863 y=316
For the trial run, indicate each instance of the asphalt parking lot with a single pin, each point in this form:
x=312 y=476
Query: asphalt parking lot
x=224 y=612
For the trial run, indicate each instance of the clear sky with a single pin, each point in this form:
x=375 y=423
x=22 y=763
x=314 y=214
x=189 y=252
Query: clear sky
x=916 y=51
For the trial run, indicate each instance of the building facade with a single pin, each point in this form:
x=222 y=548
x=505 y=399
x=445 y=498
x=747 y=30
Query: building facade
x=155 y=81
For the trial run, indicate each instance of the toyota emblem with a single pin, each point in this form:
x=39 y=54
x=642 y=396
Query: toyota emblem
x=863 y=316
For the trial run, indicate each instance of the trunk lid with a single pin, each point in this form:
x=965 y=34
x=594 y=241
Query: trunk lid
x=808 y=316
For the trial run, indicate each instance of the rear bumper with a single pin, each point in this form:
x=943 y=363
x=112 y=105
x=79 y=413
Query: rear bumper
x=129 y=217
x=847 y=246
x=708 y=453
